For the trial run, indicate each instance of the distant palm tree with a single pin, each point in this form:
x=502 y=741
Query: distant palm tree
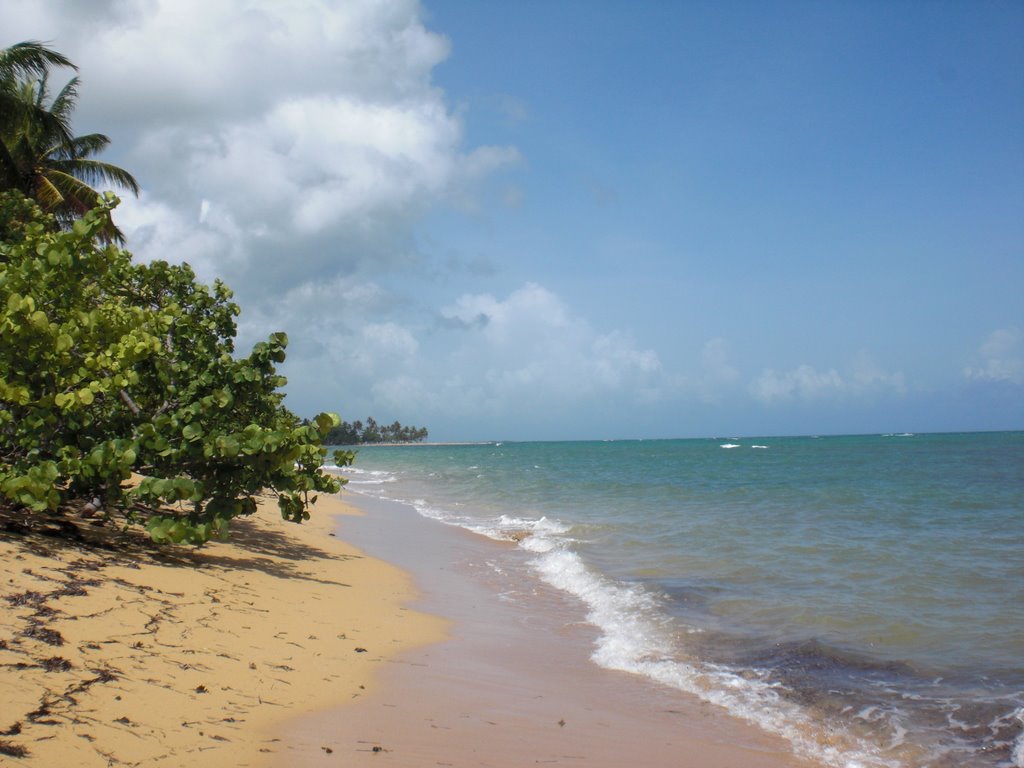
x=39 y=154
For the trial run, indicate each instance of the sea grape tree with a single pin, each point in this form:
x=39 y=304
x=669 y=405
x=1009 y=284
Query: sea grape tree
x=111 y=369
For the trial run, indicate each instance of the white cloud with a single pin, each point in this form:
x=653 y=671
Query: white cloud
x=384 y=343
x=525 y=353
x=1001 y=357
x=189 y=61
x=531 y=342
x=308 y=135
x=805 y=382
x=209 y=242
x=615 y=361
x=403 y=394
x=866 y=375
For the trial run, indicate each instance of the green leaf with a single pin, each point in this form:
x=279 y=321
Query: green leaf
x=106 y=324
x=64 y=343
x=177 y=532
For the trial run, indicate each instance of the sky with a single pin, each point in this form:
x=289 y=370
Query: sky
x=585 y=220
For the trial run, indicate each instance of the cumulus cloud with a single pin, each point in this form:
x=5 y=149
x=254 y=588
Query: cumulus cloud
x=530 y=342
x=484 y=357
x=805 y=382
x=272 y=140
x=867 y=376
x=382 y=344
x=207 y=239
x=1000 y=357
x=156 y=62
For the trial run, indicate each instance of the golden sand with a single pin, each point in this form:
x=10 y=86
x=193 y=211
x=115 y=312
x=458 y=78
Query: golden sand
x=117 y=652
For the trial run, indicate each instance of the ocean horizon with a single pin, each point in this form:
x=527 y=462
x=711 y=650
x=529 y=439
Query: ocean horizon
x=860 y=595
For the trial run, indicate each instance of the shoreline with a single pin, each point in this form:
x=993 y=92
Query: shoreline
x=289 y=645
x=513 y=684
x=115 y=651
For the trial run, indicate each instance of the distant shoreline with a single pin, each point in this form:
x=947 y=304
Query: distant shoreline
x=418 y=444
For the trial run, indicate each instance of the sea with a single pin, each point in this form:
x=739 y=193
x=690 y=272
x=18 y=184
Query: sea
x=861 y=596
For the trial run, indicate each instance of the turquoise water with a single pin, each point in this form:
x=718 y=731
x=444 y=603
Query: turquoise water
x=862 y=596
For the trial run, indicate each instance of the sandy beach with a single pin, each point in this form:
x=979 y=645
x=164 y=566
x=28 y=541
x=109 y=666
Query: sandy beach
x=290 y=647
x=116 y=652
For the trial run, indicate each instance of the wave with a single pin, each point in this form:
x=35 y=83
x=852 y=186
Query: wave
x=637 y=636
x=357 y=478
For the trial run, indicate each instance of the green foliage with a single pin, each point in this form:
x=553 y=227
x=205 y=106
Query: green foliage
x=358 y=433
x=110 y=368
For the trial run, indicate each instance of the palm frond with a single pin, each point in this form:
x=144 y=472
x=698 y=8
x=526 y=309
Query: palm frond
x=78 y=198
x=9 y=175
x=48 y=194
x=25 y=112
x=96 y=173
x=64 y=102
x=36 y=91
x=23 y=71
x=82 y=146
x=30 y=59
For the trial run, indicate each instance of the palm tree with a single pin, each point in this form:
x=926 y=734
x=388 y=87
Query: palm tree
x=19 y=64
x=39 y=154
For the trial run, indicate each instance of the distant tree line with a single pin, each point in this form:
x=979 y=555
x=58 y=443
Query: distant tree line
x=357 y=433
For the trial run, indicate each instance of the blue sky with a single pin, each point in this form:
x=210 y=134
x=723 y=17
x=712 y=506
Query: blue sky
x=587 y=219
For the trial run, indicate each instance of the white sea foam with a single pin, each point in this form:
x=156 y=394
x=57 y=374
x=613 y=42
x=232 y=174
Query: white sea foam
x=759 y=446
x=532 y=534
x=354 y=472
x=729 y=445
x=636 y=637
x=362 y=477
x=1018 y=747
